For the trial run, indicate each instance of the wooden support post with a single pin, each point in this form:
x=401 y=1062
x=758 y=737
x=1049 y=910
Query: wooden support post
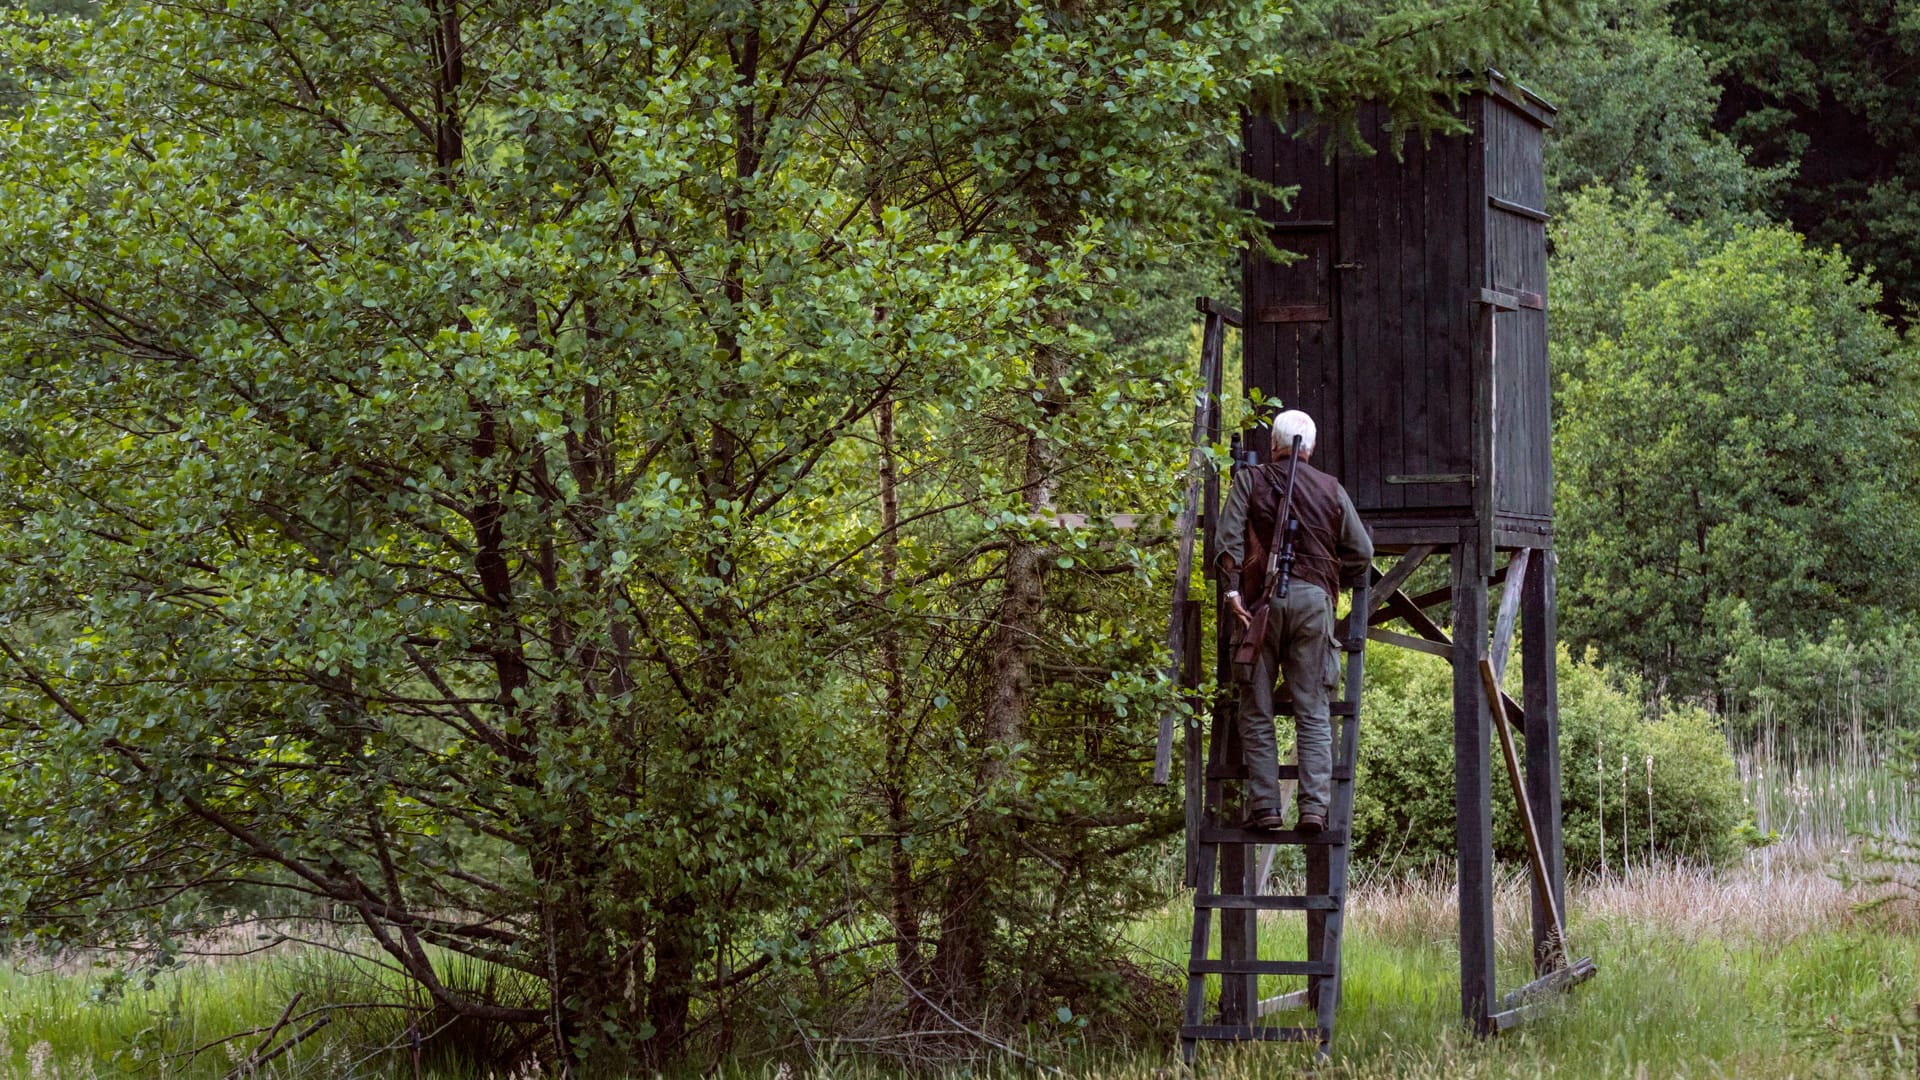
x=1539 y=631
x=1472 y=786
x=1239 y=928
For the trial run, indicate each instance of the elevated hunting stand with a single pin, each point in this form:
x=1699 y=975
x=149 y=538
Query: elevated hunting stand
x=1413 y=328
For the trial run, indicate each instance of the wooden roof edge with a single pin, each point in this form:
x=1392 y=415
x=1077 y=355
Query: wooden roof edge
x=1521 y=98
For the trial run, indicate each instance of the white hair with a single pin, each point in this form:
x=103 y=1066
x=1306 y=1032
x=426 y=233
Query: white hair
x=1286 y=426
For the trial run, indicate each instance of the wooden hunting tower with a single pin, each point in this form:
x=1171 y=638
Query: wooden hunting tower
x=1415 y=260
x=1412 y=326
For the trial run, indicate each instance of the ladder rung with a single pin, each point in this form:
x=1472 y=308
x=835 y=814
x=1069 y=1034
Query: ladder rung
x=1261 y=967
x=1261 y=1033
x=1287 y=772
x=1267 y=903
x=1215 y=834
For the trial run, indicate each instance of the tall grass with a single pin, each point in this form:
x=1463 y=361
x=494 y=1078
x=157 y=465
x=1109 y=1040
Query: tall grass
x=1702 y=973
x=1822 y=791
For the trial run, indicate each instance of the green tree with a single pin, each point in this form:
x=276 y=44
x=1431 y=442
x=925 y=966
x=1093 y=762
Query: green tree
x=1738 y=434
x=1831 y=91
x=1638 y=100
x=574 y=484
x=450 y=421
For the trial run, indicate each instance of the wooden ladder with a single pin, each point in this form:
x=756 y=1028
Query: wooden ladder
x=1240 y=902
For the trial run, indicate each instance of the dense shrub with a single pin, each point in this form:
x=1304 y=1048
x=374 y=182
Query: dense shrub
x=1403 y=811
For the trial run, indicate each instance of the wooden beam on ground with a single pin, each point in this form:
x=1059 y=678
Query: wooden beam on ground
x=1513 y=1018
x=1532 y=1000
x=1536 y=857
x=1565 y=978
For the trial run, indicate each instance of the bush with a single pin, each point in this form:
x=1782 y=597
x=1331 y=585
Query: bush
x=1403 y=805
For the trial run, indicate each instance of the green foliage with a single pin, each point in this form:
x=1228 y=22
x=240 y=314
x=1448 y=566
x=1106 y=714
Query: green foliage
x=1829 y=89
x=442 y=450
x=1637 y=100
x=1404 y=805
x=1736 y=430
x=1845 y=688
x=1415 y=57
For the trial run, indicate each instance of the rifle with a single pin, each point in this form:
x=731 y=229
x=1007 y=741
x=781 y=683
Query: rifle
x=1279 y=568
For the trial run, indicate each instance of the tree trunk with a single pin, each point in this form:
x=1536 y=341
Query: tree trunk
x=966 y=918
x=905 y=912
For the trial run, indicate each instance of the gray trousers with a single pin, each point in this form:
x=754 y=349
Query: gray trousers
x=1300 y=646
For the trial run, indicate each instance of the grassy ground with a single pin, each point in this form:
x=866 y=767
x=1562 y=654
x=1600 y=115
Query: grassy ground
x=1701 y=975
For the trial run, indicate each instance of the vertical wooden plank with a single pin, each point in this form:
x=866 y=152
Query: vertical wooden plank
x=1509 y=611
x=1363 y=373
x=1257 y=340
x=1471 y=384
x=1399 y=242
x=1472 y=787
x=1351 y=283
x=1539 y=622
x=1480 y=378
x=1425 y=395
x=1451 y=385
x=1381 y=415
x=1415 y=292
x=1542 y=467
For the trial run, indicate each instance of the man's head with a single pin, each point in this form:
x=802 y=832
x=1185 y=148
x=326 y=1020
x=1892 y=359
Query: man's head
x=1286 y=426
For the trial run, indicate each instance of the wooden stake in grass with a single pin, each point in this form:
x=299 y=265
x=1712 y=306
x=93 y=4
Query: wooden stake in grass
x=1649 y=810
x=1600 y=771
x=1626 y=852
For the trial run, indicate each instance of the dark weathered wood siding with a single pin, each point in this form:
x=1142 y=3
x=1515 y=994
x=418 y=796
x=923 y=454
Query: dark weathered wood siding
x=1517 y=265
x=1379 y=329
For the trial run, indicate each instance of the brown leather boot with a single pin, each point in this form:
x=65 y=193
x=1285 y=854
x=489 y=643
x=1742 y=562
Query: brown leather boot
x=1311 y=822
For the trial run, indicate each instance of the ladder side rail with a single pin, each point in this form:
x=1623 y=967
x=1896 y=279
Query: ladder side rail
x=1178 y=642
x=1353 y=642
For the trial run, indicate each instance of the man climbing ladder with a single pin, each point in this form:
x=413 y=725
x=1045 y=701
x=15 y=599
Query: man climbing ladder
x=1287 y=520
x=1295 y=532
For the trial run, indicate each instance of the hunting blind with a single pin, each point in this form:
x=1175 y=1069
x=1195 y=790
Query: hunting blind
x=1411 y=323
